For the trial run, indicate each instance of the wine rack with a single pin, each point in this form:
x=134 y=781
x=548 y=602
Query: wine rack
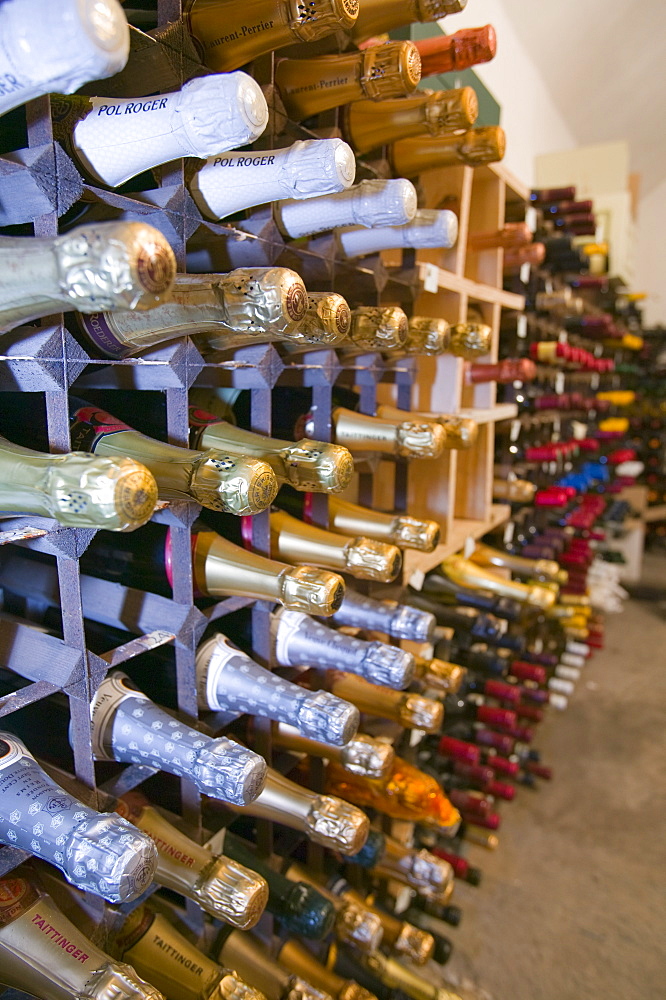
x=455 y=490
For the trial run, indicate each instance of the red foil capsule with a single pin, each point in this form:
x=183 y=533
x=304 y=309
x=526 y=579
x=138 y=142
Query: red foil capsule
x=501 y=691
x=466 y=801
x=501 y=765
x=491 y=821
x=459 y=750
x=501 y=790
x=460 y=865
x=492 y=716
x=529 y=712
x=498 y=741
x=528 y=672
x=478 y=775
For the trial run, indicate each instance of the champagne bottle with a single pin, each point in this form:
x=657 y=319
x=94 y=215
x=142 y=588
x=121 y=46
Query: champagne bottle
x=209 y=115
x=399 y=936
x=228 y=680
x=309 y=86
x=158 y=950
x=514 y=490
x=438 y=674
x=237 y=180
x=108 y=265
x=407 y=793
x=129 y=727
x=437 y=927
x=409 y=710
x=468 y=574
x=459 y=432
x=398 y=620
x=228 y=36
x=429 y=228
x=474 y=147
x=297 y=542
x=453 y=53
x=370 y=203
x=431 y=336
x=221 y=569
x=351 y=519
x=46 y=47
x=430 y=876
x=45 y=954
x=534 y=569
x=355 y=923
x=77 y=489
x=368 y=125
x=315 y=466
x=473 y=626
x=302 y=962
x=324 y=819
x=221 y=886
x=397 y=976
x=247 y=305
x=379 y=16
x=299 y=908
x=299 y=640
x=250 y=957
x=233 y=483
x=361 y=755
x=100 y=852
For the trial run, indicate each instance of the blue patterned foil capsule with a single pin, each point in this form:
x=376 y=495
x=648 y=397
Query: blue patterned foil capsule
x=228 y=680
x=300 y=640
x=98 y=852
x=129 y=727
x=398 y=620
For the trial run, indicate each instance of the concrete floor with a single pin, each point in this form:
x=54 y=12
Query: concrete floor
x=572 y=902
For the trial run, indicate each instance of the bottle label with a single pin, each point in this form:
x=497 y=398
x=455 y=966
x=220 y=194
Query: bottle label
x=16 y=896
x=97 y=329
x=111 y=693
x=90 y=425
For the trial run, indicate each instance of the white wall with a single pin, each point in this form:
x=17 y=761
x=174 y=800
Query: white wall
x=650 y=255
x=532 y=123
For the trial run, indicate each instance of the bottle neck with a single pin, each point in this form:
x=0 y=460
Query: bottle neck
x=30 y=280
x=370 y=124
x=377 y=17
x=222 y=568
x=246 y=955
x=410 y=157
x=309 y=86
x=302 y=962
x=230 y=36
x=25 y=480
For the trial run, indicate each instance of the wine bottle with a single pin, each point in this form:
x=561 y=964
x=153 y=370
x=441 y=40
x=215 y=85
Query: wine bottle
x=250 y=957
x=229 y=36
x=534 y=569
x=229 y=681
x=233 y=483
x=409 y=710
x=361 y=755
x=514 y=490
x=367 y=124
x=220 y=569
x=44 y=954
x=511 y=236
x=378 y=16
x=77 y=489
x=221 y=886
x=299 y=640
x=476 y=146
x=429 y=228
x=108 y=265
x=324 y=819
x=407 y=793
x=299 y=908
x=310 y=86
x=100 y=852
x=398 y=620
x=508 y=370
x=158 y=950
x=430 y=876
x=247 y=305
x=467 y=574
x=300 y=961
x=364 y=558
x=472 y=626
x=371 y=203
x=46 y=48
x=351 y=519
x=129 y=727
x=209 y=115
x=396 y=976
x=459 y=432
x=453 y=53
x=315 y=466
x=236 y=180
x=355 y=925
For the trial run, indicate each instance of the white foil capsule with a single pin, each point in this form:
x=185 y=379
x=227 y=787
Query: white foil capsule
x=368 y=204
x=120 y=137
x=48 y=47
x=430 y=228
x=236 y=180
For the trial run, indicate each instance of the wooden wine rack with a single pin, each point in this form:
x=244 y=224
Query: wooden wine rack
x=43 y=184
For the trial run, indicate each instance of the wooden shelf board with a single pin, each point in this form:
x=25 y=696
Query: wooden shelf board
x=517 y=187
x=655 y=513
x=416 y=563
x=491 y=414
x=472 y=289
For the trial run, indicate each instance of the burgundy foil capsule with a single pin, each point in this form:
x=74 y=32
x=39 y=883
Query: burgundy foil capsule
x=502 y=790
x=460 y=865
x=478 y=775
x=501 y=691
x=491 y=821
x=492 y=716
x=523 y=734
x=555 y=497
x=530 y=712
x=528 y=672
x=469 y=802
x=546 y=196
x=540 y=770
x=537 y=695
x=498 y=741
x=500 y=765
x=459 y=749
